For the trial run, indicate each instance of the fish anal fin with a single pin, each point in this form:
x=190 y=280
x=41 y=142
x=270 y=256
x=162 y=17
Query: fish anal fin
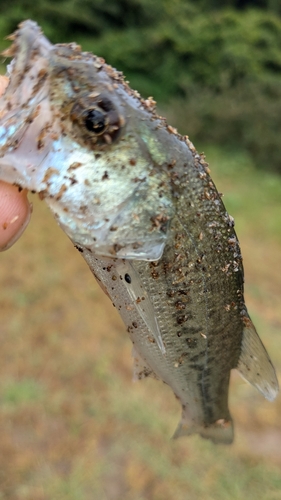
x=219 y=432
x=140 y=369
x=254 y=364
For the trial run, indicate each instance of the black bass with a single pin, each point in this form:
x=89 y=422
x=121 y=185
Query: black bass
x=138 y=202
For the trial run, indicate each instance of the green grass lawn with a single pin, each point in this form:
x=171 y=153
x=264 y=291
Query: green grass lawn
x=73 y=424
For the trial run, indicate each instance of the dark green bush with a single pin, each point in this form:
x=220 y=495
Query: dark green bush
x=221 y=60
x=246 y=117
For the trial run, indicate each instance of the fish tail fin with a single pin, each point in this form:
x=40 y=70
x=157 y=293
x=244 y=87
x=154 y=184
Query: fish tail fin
x=254 y=364
x=219 y=432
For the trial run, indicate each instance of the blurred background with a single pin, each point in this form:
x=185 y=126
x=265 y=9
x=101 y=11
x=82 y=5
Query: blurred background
x=73 y=424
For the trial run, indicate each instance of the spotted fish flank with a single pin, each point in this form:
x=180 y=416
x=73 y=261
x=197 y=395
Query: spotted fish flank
x=139 y=204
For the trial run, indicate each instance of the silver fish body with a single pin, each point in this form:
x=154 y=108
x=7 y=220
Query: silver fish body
x=138 y=202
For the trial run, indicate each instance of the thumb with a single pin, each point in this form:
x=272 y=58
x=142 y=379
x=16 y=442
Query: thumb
x=15 y=212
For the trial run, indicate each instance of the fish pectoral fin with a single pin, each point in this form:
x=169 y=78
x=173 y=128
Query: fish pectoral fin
x=141 y=299
x=141 y=370
x=254 y=364
x=219 y=432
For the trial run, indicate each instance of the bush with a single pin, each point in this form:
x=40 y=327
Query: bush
x=224 y=64
x=246 y=117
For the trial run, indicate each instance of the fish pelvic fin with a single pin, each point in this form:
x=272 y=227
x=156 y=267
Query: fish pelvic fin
x=219 y=432
x=254 y=364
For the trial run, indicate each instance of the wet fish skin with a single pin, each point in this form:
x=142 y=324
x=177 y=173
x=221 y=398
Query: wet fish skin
x=138 y=202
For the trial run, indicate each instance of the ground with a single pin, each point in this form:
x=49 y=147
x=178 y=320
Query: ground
x=73 y=424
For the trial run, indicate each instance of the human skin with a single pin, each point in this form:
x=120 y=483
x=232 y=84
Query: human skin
x=15 y=209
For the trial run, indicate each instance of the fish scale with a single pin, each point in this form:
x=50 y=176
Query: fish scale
x=195 y=336
x=138 y=202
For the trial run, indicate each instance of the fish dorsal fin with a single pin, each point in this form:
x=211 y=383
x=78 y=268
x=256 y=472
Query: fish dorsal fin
x=254 y=363
x=141 y=370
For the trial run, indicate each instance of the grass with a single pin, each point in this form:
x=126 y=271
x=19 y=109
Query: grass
x=19 y=392
x=73 y=424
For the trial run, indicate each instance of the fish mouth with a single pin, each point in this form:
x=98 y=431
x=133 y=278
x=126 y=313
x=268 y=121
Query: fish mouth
x=30 y=50
x=24 y=107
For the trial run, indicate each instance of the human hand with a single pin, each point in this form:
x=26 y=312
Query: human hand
x=15 y=209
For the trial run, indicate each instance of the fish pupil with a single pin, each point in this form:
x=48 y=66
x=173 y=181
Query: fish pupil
x=95 y=121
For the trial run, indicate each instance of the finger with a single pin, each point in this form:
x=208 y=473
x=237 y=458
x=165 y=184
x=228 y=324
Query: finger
x=4 y=80
x=15 y=209
x=15 y=212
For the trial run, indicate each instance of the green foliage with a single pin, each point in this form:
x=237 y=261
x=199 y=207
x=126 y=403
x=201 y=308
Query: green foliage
x=271 y=5
x=221 y=59
x=247 y=116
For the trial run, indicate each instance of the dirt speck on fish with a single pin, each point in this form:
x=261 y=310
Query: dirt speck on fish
x=138 y=202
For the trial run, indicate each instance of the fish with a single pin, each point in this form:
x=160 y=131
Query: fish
x=138 y=202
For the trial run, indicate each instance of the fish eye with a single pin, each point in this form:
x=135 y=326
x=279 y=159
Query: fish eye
x=95 y=121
